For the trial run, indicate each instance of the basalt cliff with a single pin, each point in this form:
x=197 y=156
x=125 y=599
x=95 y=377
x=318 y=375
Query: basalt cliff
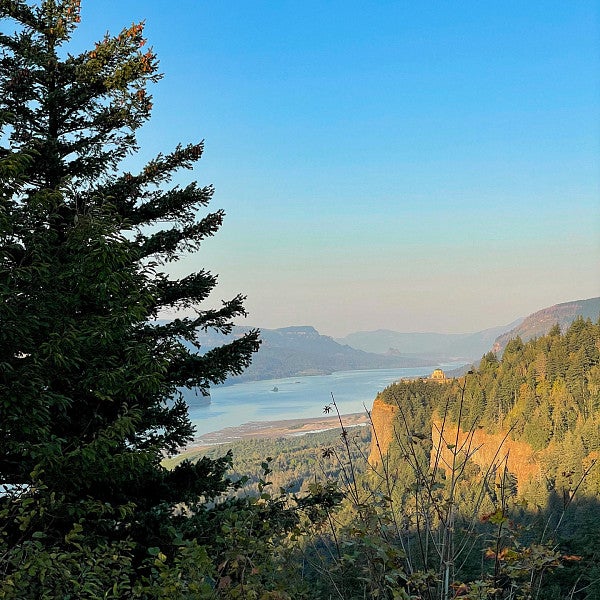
x=532 y=413
x=452 y=445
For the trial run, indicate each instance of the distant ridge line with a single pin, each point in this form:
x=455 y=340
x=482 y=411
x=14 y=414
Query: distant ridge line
x=540 y=322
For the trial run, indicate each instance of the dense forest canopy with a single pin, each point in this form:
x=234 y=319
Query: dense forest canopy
x=522 y=381
x=519 y=434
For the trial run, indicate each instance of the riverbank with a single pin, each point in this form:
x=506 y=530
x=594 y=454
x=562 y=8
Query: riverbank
x=274 y=429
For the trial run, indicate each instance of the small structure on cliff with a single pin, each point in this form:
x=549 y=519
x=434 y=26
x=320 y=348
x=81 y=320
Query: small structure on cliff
x=438 y=376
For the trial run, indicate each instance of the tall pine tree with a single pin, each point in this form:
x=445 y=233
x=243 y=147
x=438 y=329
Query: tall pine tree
x=89 y=379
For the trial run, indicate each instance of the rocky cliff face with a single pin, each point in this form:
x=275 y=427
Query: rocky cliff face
x=383 y=416
x=483 y=448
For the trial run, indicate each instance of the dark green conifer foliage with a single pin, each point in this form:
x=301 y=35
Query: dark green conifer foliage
x=88 y=378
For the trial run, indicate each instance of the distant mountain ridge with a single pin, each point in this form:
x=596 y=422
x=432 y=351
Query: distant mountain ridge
x=472 y=346
x=433 y=346
x=539 y=323
x=302 y=350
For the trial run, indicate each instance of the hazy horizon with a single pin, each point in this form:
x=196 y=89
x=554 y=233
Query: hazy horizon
x=325 y=331
x=414 y=167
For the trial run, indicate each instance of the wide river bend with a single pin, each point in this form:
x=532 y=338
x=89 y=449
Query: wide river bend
x=294 y=397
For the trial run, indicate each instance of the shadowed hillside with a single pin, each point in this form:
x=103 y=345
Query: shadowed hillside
x=297 y=351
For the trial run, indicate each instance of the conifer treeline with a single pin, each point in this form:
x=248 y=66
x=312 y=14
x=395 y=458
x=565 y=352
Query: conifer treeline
x=545 y=392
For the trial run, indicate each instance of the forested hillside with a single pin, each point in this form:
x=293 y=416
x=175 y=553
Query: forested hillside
x=543 y=392
x=521 y=433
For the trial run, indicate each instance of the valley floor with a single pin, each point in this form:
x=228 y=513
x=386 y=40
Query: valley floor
x=274 y=429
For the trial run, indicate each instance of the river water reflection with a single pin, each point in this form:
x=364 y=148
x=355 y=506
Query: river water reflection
x=295 y=397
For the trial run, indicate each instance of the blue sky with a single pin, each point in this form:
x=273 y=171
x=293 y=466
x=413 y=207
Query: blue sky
x=417 y=166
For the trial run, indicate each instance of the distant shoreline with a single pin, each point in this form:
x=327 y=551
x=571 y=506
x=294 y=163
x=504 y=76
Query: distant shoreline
x=274 y=429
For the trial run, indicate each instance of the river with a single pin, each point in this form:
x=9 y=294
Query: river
x=295 y=397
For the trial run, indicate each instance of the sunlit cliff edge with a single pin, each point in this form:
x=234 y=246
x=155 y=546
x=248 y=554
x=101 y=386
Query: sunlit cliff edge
x=482 y=448
x=451 y=444
x=383 y=418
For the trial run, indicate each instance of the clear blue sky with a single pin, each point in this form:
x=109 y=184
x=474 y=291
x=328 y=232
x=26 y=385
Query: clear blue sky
x=417 y=166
